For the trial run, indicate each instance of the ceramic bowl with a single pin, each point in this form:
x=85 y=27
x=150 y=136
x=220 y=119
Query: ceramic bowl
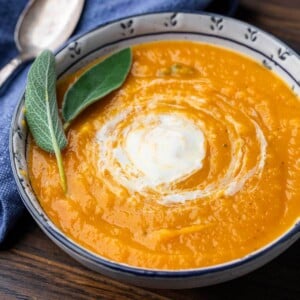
x=208 y=28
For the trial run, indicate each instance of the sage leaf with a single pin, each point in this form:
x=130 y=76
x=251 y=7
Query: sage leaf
x=41 y=109
x=95 y=83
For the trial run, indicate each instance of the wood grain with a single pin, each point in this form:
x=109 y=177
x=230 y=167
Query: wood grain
x=279 y=17
x=34 y=268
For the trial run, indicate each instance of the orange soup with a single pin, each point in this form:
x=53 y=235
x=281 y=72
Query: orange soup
x=193 y=162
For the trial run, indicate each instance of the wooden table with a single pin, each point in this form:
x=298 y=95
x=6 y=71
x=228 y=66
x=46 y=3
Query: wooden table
x=34 y=268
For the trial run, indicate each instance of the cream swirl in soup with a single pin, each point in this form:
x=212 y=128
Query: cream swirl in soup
x=148 y=152
x=193 y=162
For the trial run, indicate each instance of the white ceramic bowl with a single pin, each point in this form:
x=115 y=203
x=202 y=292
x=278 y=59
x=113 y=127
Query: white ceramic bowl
x=208 y=28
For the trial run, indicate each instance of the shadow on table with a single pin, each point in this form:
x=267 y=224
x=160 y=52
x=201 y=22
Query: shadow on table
x=25 y=224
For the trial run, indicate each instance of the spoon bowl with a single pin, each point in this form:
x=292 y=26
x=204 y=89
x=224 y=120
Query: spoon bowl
x=42 y=25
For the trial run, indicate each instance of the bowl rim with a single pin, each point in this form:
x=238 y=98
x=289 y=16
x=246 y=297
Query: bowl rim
x=180 y=11
x=57 y=234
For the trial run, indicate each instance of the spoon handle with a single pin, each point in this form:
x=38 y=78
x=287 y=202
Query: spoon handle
x=9 y=69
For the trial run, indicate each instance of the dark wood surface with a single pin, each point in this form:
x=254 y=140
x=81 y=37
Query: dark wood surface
x=34 y=268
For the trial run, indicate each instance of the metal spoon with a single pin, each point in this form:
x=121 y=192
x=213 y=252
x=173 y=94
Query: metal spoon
x=43 y=24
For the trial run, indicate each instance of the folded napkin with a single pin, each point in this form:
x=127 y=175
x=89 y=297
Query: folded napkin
x=95 y=13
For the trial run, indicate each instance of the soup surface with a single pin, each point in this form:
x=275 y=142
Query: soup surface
x=194 y=161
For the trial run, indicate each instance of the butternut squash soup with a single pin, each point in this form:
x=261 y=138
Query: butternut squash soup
x=193 y=162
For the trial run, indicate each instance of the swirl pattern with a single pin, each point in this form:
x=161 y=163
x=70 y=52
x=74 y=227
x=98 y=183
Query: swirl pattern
x=162 y=142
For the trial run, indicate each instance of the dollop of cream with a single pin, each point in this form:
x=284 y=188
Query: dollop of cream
x=169 y=149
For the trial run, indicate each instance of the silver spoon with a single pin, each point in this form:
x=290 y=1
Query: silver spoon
x=43 y=24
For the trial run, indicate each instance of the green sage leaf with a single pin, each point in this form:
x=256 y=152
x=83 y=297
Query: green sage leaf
x=97 y=82
x=41 y=109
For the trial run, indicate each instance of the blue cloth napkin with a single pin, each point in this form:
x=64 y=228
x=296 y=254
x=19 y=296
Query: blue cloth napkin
x=95 y=13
